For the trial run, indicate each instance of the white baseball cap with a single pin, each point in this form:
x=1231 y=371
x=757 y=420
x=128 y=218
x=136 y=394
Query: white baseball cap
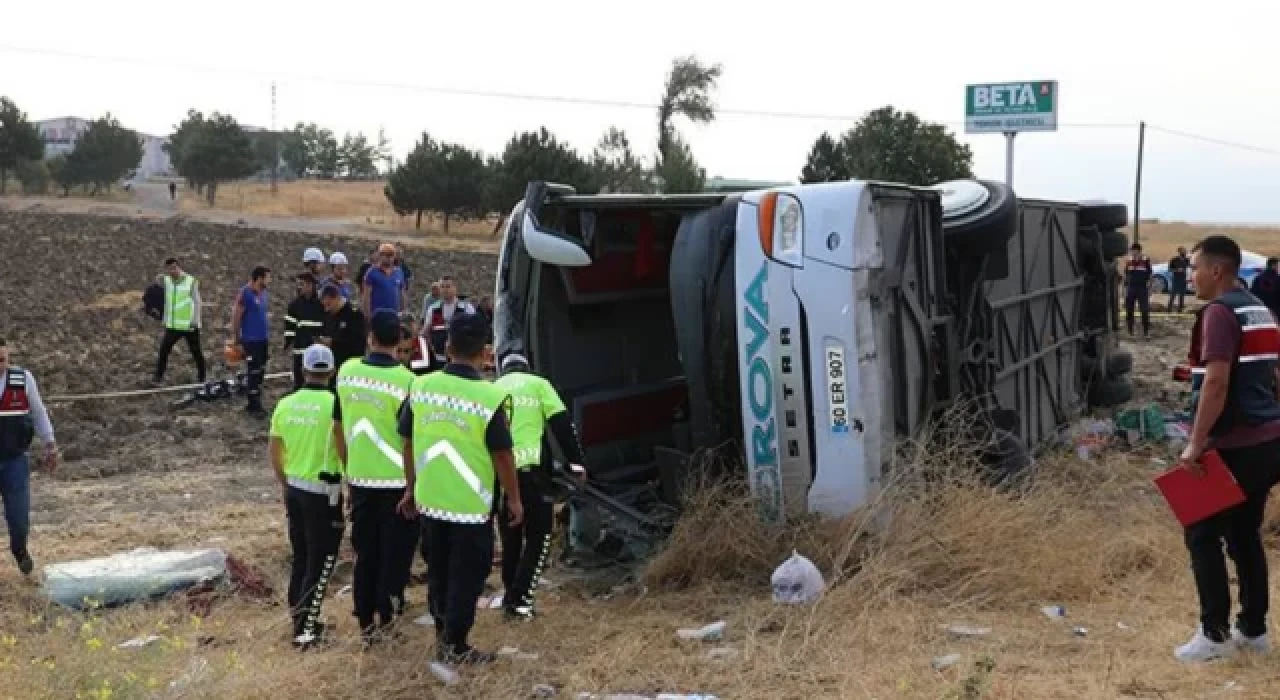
x=317 y=358
x=313 y=255
x=337 y=259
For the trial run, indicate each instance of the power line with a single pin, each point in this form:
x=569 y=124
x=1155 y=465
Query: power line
x=515 y=96
x=1215 y=141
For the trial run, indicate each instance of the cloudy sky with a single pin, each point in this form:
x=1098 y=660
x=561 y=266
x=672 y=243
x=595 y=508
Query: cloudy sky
x=399 y=65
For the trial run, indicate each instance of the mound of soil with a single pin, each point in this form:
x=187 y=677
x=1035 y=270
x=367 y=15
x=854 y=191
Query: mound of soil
x=73 y=315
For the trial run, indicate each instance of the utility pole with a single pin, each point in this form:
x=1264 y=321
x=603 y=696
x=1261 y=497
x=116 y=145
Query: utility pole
x=1008 y=157
x=275 y=140
x=1137 y=186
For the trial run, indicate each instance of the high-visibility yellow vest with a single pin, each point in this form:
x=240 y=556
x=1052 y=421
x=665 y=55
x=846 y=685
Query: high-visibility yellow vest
x=371 y=396
x=455 y=472
x=179 y=303
x=534 y=400
x=303 y=421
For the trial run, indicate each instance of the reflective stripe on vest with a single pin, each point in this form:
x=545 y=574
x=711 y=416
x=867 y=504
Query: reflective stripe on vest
x=371 y=396
x=179 y=303
x=303 y=420
x=533 y=398
x=1251 y=398
x=13 y=398
x=455 y=473
x=422 y=360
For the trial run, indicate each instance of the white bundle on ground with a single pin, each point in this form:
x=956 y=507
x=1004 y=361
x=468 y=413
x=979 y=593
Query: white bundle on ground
x=797 y=581
x=129 y=576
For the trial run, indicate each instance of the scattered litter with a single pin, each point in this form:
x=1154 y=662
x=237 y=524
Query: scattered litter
x=445 y=674
x=1054 y=612
x=1092 y=437
x=525 y=656
x=542 y=690
x=713 y=632
x=967 y=631
x=138 y=642
x=508 y=651
x=493 y=602
x=425 y=620
x=126 y=577
x=944 y=662
x=797 y=581
x=343 y=592
x=722 y=654
x=186 y=497
x=1122 y=626
x=1080 y=631
x=214 y=540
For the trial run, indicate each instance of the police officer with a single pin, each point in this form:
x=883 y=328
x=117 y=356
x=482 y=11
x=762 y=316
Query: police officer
x=1137 y=285
x=454 y=426
x=22 y=418
x=181 y=318
x=366 y=417
x=303 y=323
x=307 y=464
x=525 y=547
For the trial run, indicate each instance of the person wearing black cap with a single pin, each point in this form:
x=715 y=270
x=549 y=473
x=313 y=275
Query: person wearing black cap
x=344 y=326
x=366 y=420
x=456 y=437
x=526 y=547
x=303 y=323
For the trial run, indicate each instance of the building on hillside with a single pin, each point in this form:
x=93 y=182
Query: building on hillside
x=60 y=136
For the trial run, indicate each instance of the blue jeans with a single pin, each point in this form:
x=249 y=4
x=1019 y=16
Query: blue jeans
x=15 y=487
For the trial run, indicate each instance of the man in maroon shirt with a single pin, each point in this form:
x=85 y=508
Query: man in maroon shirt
x=1235 y=349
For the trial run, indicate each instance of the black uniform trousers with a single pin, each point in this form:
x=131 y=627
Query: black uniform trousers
x=384 y=543
x=1178 y=294
x=460 y=556
x=526 y=547
x=255 y=359
x=1142 y=299
x=1257 y=469
x=171 y=338
x=315 y=533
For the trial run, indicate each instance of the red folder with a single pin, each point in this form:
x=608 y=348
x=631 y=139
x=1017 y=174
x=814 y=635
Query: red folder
x=1193 y=498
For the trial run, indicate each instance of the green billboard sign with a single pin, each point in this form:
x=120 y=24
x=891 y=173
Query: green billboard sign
x=1011 y=107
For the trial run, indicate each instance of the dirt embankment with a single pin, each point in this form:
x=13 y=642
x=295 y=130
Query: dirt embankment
x=72 y=314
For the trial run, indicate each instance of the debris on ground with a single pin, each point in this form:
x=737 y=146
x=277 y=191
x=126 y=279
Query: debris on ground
x=425 y=620
x=966 y=631
x=713 y=632
x=797 y=581
x=241 y=579
x=941 y=663
x=445 y=674
x=1080 y=631
x=542 y=690
x=126 y=577
x=138 y=642
x=1054 y=612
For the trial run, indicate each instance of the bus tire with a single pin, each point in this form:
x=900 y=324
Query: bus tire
x=1104 y=215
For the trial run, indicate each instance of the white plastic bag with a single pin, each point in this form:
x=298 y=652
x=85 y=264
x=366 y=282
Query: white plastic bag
x=797 y=581
x=130 y=576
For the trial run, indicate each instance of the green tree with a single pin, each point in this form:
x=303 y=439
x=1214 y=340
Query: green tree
x=356 y=156
x=181 y=137
x=687 y=93
x=895 y=146
x=679 y=171
x=106 y=152
x=19 y=139
x=615 y=168
x=33 y=175
x=294 y=150
x=827 y=161
x=325 y=154
x=408 y=184
x=218 y=151
x=265 y=145
x=456 y=182
x=64 y=173
x=533 y=155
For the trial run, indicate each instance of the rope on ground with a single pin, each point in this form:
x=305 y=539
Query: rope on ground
x=70 y=398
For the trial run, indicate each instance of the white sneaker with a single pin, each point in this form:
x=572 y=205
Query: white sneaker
x=1260 y=644
x=1201 y=649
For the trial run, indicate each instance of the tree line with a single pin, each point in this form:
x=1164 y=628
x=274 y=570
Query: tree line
x=459 y=182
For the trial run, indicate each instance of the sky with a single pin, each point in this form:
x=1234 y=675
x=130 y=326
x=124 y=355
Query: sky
x=366 y=66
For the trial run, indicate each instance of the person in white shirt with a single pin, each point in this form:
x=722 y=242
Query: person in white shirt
x=437 y=313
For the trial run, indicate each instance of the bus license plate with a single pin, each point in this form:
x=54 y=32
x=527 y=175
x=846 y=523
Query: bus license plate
x=837 y=386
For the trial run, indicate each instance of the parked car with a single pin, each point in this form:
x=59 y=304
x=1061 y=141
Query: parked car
x=1251 y=265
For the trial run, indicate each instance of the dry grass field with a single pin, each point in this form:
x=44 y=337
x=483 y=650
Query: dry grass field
x=358 y=202
x=1160 y=239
